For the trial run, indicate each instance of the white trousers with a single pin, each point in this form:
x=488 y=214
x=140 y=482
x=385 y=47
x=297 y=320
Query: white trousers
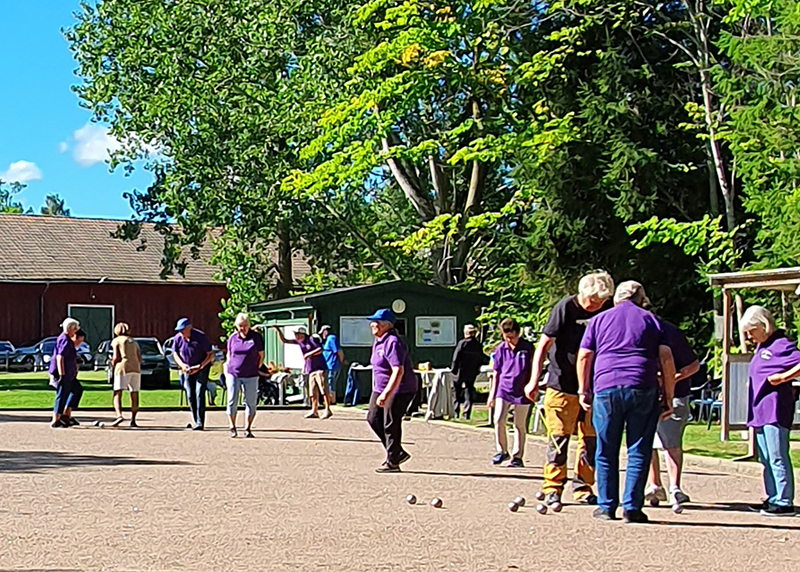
x=520 y=418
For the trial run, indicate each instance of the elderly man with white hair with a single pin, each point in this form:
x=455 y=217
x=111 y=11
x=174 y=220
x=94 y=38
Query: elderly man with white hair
x=775 y=364
x=560 y=342
x=468 y=358
x=618 y=364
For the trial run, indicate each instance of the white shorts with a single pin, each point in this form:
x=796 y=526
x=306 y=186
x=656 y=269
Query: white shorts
x=130 y=381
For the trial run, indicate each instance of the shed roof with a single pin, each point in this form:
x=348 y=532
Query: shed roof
x=306 y=301
x=777 y=279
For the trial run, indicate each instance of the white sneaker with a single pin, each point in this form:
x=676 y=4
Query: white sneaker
x=654 y=492
x=677 y=496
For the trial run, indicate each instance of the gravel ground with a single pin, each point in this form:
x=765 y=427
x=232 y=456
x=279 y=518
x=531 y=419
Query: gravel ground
x=303 y=495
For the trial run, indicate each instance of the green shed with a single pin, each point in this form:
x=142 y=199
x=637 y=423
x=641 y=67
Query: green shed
x=430 y=318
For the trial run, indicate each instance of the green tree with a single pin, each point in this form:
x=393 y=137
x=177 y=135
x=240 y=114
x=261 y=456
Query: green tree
x=54 y=206
x=8 y=194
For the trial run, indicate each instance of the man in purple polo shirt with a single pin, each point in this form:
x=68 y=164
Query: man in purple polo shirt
x=624 y=347
x=315 y=368
x=669 y=433
x=193 y=355
x=394 y=385
x=775 y=363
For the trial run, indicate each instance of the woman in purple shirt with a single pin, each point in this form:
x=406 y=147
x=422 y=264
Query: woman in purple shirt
x=394 y=385
x=64 y=374
x=245 y=356
x=771 y=406
x=512 y=366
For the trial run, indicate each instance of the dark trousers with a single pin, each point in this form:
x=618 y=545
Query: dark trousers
x=195 y=387
x=463 y=392
x=634 y=411
x=387 y=423
x=68 y=395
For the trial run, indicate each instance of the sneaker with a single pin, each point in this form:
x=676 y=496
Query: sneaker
x=677 y=496
x=655 y=492
x=603 y=514
x=388 y=468
x=404 y=456
x=552 y=498
x=517 y=463
x=133 y=423
x=233 y=433
x=57 y=424
x=327 y=414
x=635 y=517
x=759 y=507
x=117 y=422
x=248 y=434
x=775 y=510
x=587 y=499
x=499 y=458
x=197 y=428
x=311 y=415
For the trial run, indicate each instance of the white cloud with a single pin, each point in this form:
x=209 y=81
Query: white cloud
x=22 y=172
x=63 y=147
x=93 y=145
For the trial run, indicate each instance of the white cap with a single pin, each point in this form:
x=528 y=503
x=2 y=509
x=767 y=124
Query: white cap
x=301 y=330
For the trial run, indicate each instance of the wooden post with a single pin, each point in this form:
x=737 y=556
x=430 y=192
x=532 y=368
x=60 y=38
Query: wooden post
x=726 y=351
x=739 y=314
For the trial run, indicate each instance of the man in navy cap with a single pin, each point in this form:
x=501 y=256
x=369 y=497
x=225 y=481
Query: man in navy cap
x=394 y=385
x=193 y=355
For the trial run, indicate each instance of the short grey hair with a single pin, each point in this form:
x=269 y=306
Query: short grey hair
x=242 y=319
x=70 y=323
x=597 y=285
x=756 y=315
x=633 y=291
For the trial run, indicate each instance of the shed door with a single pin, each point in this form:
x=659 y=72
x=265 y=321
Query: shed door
x=96 y=321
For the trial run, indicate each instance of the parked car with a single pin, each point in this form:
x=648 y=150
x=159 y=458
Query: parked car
x=7 y=351
x=155 y=365
x=102 y=356
x=37 y=355
x=168 y=352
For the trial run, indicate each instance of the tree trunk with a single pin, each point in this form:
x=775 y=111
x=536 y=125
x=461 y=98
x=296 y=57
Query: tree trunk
x=283 y=287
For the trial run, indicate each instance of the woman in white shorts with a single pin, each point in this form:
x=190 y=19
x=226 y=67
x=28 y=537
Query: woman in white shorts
x=126 y=362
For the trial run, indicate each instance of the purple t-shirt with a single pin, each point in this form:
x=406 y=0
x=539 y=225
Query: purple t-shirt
x=390 y=351
x=682 y=354
x=772 y=404
x=194 y=350
x=513 y=369
x=314 y=363
x=243 y=354
x=625 y=342
x=65 y=348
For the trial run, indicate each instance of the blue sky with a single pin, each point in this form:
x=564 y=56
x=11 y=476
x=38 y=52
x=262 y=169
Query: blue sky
x=46 y=139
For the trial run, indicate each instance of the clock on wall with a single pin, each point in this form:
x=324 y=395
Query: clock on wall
x=399 y=306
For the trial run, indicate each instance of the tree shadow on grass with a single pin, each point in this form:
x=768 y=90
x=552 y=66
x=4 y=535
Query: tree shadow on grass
x=40 y=461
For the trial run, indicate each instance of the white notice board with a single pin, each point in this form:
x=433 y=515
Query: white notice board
x=292 y=355
x=354 y=332
x=436 y=331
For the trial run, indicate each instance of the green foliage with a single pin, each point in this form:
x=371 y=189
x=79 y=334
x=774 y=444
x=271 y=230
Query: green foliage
x=8 y=202
x=54 y=205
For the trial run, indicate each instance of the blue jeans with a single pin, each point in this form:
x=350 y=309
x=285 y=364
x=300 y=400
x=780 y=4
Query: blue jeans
x=773 y=450
x=635 y=411
x=68 y=395
x=195 y=387
x=246 y=385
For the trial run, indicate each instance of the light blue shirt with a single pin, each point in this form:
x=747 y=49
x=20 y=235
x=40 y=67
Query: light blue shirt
x=330 y=351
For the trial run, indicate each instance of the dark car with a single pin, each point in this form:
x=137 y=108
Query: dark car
x=168 y=352
x=37 y=355
x=7 y=351
x=102 y=356
x=155 y=366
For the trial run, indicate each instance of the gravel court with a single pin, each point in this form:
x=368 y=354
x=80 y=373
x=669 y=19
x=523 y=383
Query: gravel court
x=303 y=495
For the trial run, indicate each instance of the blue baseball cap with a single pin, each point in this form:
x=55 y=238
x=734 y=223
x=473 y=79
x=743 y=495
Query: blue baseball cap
x=182 y=324
x=382 y=315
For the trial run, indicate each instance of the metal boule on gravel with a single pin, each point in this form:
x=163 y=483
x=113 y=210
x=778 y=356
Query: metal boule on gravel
x=411 y=499
x=541 y=508
x=437 y=503
x=513 y=507
x=520 y=501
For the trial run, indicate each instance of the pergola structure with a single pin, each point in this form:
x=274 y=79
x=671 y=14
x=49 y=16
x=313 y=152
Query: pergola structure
x=735 y=366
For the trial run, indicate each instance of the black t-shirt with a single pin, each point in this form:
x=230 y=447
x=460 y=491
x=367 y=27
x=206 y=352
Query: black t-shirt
x=468 y=359
x=566 y=324
x=682 y=354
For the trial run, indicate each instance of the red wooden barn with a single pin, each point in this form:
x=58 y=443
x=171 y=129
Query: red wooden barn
x=55 y=267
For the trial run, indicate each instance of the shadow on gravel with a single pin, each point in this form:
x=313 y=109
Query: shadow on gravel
x=39 y=461
x=321 y=439
x=477 y=475
x=717 y=525
x=25 y=418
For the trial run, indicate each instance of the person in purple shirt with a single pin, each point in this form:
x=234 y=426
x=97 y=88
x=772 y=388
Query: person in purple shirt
x=245 y=356
x=771 y=405
x=512 y=365
x=621 y=353
x=394 y=385
x=63 y=372
x=315 y=368
x=193 y=355
x=669 y=432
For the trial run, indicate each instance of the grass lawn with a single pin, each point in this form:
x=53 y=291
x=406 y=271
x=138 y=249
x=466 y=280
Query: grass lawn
x=32 y=391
